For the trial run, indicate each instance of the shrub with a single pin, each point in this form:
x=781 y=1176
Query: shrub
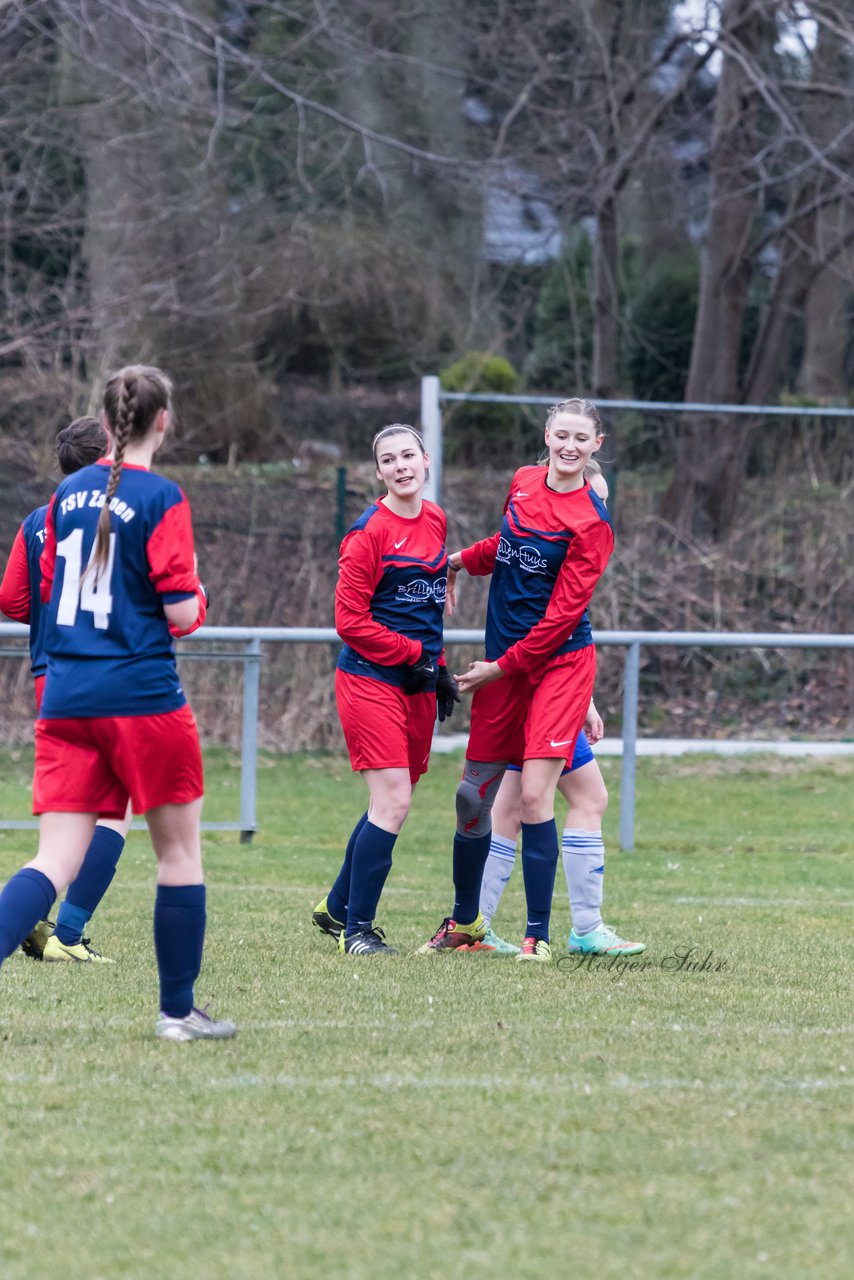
x=471 y=428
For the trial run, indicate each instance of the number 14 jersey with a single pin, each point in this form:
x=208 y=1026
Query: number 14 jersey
x=109 y=651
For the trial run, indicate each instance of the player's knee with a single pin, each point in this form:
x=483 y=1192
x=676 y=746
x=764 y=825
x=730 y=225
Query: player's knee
x=397 y=813
x=473 y=810
x=536 y=798
x=390 y=811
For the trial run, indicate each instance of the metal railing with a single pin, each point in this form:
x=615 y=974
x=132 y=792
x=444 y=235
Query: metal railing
x=433 y=397
x=251 y=639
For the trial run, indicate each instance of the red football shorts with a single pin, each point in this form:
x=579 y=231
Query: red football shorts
x=96 y=765
x=39 y=690
x=522 y=717
x=385 y=728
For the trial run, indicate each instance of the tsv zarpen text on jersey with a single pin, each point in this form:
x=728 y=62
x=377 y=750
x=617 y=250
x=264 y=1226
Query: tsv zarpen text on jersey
x=83 y=498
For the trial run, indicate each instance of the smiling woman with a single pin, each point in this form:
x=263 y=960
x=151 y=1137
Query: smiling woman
x=391 y=677
x=532 y=692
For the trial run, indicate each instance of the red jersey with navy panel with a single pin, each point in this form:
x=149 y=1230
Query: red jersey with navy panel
x=107 y=638
x=390 y=597
x=545 y=562
x=20 y=590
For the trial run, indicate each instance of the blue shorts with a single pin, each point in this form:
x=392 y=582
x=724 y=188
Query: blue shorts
x=582 y=755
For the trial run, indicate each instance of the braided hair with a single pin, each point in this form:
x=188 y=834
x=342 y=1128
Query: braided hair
x=132 y=400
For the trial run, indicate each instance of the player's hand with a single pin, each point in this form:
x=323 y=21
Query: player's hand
x=447 y=693
x=417 y=675
x=594 y=725
x=478 y=674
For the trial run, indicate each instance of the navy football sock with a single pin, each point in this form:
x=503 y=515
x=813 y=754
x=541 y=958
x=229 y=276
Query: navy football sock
x=26 y=899
x=179 y=936
x=470 y=854
x=371 y=864
x=539 y=860
x=93 y=880
x=339 y=895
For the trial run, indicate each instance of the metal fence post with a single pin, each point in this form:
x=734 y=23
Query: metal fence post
x=249 y=744
x=630 y=739
x=431 y=430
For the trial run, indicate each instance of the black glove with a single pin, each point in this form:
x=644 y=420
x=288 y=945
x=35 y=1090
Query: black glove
x=447 y=693
x=417 y=675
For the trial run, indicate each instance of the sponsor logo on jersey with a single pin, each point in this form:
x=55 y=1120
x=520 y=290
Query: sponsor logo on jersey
x=528 y=557
x=398 y=545
x=420 y=590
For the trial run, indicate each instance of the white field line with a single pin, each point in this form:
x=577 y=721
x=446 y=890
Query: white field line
x=497 y=1084
x=527 y=1084
x=430 y=1023
x=310 y=893
x=798 y=903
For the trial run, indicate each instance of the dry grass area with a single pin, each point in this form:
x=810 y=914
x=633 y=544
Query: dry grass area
x=268 y=537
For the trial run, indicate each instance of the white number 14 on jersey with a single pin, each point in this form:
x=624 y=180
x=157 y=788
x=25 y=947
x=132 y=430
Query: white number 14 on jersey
x=89 y=591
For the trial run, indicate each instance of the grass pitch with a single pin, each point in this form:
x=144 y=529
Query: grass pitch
x=452 y=1115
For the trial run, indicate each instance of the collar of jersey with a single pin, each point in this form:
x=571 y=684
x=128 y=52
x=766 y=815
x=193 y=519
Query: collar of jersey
x=563 y=493
x=406 y=519
x=126 y=466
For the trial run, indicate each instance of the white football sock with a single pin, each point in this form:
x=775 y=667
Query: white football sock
x=584 y=866
x=496 y=873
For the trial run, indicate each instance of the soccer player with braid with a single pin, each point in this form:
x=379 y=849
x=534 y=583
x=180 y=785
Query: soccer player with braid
x=78 y=445
x=118 y=582
x=532 y=692
x=391 y=678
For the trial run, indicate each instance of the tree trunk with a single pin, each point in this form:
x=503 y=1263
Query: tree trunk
x=165 y=283
x=827 y=324
x=710 y=452
x=605 y=302
x=826 y=314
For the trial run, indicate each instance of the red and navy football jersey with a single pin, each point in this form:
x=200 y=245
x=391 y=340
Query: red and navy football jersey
x=107 y=639
x=20 y=590
x=545 y=562
x=390 y=597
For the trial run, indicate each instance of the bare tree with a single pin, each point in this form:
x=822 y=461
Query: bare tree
x=780 y=201
x=231 y=188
